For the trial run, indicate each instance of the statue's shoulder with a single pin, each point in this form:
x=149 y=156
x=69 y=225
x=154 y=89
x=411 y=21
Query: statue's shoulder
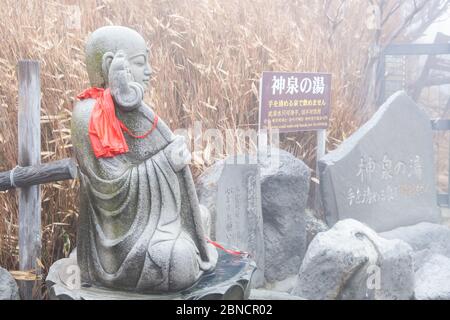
x=81 y=114
x=82 y=110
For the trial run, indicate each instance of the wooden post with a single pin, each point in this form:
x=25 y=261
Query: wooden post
x=381 y=72
x=29 y=133
x=320 y=152
x=261 y=137
x=321 y=145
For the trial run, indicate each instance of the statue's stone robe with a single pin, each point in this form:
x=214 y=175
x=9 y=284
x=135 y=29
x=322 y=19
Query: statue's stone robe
x=139 y=222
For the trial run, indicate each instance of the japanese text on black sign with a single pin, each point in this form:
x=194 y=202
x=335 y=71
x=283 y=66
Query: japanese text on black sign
x=295 y=101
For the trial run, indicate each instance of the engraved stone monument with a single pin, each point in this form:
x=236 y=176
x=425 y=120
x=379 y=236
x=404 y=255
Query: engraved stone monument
x=239 y=222
x=384 y=174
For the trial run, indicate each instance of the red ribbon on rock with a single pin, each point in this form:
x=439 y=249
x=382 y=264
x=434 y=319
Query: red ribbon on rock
x=234 y=252
x=105 y=129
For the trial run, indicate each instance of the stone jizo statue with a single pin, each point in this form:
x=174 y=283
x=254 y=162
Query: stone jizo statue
x=140 y=224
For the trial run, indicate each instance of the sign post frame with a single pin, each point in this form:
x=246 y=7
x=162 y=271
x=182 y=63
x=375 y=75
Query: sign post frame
x=302 y=101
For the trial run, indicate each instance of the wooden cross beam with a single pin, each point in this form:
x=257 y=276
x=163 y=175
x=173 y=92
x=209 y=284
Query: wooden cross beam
x=22 y=177
x=29 y=173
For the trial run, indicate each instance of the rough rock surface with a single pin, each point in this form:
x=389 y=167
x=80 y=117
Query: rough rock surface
x=263 y=294
x=285 y=285
x=314 y=225
x=432 y=280
x=350 y=261
x=8 y=286
x=431 y=245
x=423 y=236
x=285 y=184
x=284 y=195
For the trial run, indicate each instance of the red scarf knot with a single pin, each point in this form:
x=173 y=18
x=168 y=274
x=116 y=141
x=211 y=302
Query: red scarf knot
x=105 y=129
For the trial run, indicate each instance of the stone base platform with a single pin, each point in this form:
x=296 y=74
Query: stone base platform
x=231 y=280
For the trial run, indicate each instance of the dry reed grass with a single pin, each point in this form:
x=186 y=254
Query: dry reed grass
x=207 y=55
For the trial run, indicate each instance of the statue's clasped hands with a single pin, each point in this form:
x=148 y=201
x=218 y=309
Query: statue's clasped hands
x=178 y=153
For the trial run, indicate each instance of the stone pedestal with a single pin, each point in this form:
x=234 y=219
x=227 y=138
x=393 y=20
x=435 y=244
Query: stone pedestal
x=231 y=280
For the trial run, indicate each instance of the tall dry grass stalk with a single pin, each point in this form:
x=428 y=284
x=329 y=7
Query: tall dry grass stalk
x=207 y=55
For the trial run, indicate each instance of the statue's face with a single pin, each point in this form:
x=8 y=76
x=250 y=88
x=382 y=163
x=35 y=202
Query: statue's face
x=140 y=68
x=102 y=46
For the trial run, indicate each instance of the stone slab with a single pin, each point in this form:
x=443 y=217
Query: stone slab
x=239 y=222
x=383 y=174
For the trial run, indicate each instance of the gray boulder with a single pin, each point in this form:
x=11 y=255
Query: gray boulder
x=350 y=261
x=8 y=286
x=433 y=279
x=431 y=245
x=284 y=193
x=285 y=184
x=432 y=237
x=285 y=285
x=314 y=225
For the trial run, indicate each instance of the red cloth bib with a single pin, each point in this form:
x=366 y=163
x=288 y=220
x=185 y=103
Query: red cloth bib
x=105 y=129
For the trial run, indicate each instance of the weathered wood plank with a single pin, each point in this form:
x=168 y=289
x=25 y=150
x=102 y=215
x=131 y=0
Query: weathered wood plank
x=417 y=49
x=24 y=177
x=320 y=152
x=442 y=199
x=29 y=132
x=440 y=124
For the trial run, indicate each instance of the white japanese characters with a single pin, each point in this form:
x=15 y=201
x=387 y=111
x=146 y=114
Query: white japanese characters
x=292 y=85
x=410 y=172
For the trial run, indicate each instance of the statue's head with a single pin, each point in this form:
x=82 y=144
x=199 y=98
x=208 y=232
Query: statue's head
x=103 y=44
